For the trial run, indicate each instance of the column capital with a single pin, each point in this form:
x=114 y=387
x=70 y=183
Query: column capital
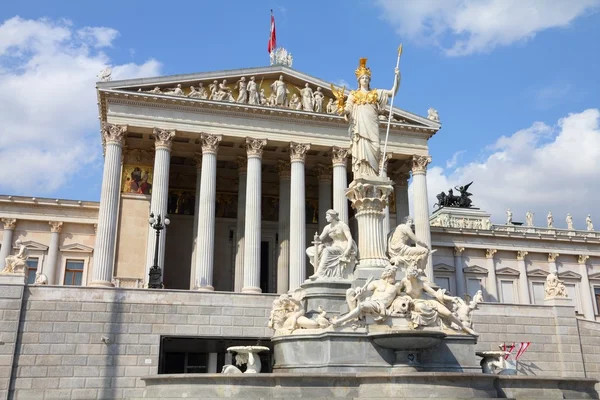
x=339 y=156
x=283 y=169
x=552 y=257
x=298 y=151
x=114 y=134
x=419 y=164
x=401 y=178
x=521 y=254
x=242 y=164
x=210 y=143
x=582 y=258
x=198 y=160
x=254 y=147
x=163 y=138
x=489 y=253
x=9 y=223
x=458 y=251
x=324 y=173
x=56 y=226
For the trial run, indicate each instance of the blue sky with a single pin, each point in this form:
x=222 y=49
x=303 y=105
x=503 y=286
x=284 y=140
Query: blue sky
x=501 y=73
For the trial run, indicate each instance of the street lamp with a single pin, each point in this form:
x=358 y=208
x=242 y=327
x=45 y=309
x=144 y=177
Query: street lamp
x=154 y=280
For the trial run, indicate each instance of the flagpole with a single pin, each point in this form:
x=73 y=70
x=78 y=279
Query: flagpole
x=387 y=132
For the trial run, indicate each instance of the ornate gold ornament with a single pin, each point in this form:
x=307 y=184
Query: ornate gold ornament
x=362 y=68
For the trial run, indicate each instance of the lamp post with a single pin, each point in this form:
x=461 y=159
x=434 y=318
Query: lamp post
x=154 y=281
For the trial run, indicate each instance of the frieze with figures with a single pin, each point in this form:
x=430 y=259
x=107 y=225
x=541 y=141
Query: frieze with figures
x=137 y=179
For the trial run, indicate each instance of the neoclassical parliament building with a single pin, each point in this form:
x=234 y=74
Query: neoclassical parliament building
x=245 y=178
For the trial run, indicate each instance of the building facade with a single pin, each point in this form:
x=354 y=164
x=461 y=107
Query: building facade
x=245 y=180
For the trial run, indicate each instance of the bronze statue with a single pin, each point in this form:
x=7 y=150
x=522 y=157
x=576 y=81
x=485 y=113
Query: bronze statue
x=450 y=200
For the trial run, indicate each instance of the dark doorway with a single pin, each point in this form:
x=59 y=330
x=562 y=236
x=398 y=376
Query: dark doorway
x=264 y=268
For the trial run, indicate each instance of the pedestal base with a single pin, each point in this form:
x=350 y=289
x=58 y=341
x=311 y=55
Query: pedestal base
x=13 y=279
x=558 y=301
x=330 y=295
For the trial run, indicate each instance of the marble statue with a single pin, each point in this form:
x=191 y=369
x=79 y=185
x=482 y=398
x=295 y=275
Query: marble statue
x=263 y=98
x=176 y=91
x=451 y=200
x=588 y=223
x=253 y=96
x=361 y=110
x=288 y=314
x=331 y=107
x=280 y=56
x=318 y=98
x=432 y=114
x=550 y=220
x=41 y=279
x=105 y=75
x=399 y=249
x=509 y=217
x=214 y=89
x=247 y=355
x=308 y=101
x=412 y=297
x=295 y=103
x=199 y=93
x=529 y=218
x=279 y=89
x=463 y=310
x=554 y=287
x=569 y=221
x=494 y=362
x=224 y=92
x=17 y=264
x=242 y=90
x=156 y=90
x=334 y=252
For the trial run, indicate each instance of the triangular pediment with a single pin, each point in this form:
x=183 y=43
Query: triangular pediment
x=508 y=272
x=178 y=88
x=31 y=245
x=594 y=277
x=443 y=268
x=569 y=275
x=76 y=248
x=475 y=269
x=539 y=273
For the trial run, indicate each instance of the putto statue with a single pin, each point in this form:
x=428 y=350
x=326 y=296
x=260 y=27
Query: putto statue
x=399 y=249
x=334 y=252
x=362 y=110
x=451 y=200
x=412 y=298
x=17 y=264
x=288 y=314
x=554 y=287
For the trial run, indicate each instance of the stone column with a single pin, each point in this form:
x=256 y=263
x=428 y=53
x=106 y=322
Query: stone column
x=297 y=215
x=254 y=150
x=586 y=291
x=325 y=193
x=205 y=244
x=9 y=228
x=198 y=162
x=401 y=195
x=421 y=205
x=460 y=276
x=160 y=193
x=50 y=268
x=339 y=159
x=283 y=229
x=106 y=233
x=552 y=267
x=492 y=284
x=523 y=281
x=242 y=163
x=386 y=210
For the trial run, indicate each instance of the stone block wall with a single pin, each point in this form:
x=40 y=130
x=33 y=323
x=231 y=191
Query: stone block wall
x=10 y=309
x=552 y=331
x=589 y=332
x=61 y=353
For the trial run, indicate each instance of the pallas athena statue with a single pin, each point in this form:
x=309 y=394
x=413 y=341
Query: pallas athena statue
x=362 y=110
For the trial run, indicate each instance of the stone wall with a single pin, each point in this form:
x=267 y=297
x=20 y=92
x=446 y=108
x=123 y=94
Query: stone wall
x=61 y=354
x=552 y=331
x=590 y=345
x=10 y=309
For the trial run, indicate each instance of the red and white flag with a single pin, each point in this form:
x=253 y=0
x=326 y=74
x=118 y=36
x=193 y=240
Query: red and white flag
x=522 y=349
x=272 y=35
x=509 y=349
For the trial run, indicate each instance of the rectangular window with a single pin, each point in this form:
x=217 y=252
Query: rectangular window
x=538 y=292
x=507 y=291
x=443 y=282
x=597 y=295
x=74 y=272
x=473 y=285
x=32 y=266
x=572 y=293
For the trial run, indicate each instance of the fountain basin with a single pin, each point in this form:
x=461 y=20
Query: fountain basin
x=407 y=340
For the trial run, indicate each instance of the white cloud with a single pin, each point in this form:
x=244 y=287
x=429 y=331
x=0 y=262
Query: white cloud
x=478 y=26
x=542 y=168
x=451 y=163
x=49 y=130
x=550 y=96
